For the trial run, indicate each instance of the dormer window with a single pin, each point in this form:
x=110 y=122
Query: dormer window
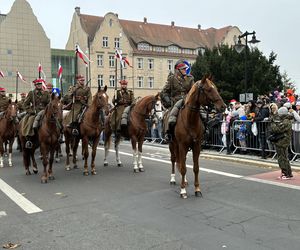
x=143 y=46
x=173 y=49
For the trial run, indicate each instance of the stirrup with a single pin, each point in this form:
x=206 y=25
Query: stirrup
x=28 y=144
x=75 y=131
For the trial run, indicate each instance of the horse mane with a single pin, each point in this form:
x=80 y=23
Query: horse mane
x=191 y=92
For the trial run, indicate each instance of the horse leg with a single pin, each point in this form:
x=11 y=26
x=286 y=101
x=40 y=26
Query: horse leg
x=140 y=150
x=94 y=151
x=11 y=142
x=173 y=161
x=1 y=153
x=181 y=158
x=107 y=141
x=117 y=144
x=67 y=141
x=51 y=159
x=85 y=152
x=75 y=147
x=44 y=152
x=134 y=155
x=34 y=165
x=196 y=153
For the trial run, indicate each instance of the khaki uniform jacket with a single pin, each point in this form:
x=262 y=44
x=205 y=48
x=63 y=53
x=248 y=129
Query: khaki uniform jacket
x=36 y=101
x=4 y=100
x=20 y=106
x=175 y=89
x=124 y=98
x=82 y=97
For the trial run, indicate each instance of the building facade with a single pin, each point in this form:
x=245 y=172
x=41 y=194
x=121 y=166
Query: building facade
x=151 y=49
x=23 y=45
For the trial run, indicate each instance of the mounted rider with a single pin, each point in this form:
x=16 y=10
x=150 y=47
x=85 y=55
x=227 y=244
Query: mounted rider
x=81 y=97
x=20 y=104
x=124 y=98
x=174 y=92
x=34 y=104
x=4 y=101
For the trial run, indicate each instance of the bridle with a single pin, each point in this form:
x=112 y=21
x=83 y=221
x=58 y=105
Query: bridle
x=146 y=114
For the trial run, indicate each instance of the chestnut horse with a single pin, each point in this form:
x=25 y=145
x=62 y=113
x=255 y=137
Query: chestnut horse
x=90 y=130
x=49 y=133
x=189 y=130
x=8 y=130
x=136 y=131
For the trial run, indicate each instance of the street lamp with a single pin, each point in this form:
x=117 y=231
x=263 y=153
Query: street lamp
x=239 y=47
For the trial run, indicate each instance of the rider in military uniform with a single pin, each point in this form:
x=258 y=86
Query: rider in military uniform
x=35 y=102
x=4 y=101
x=20 y=104
x=174 y=92
x=123 y=99
x=82 y=98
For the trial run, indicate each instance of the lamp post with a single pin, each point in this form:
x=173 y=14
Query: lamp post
x=239 y=47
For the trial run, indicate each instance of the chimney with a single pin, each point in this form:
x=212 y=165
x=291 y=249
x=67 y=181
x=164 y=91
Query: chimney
x=77 y=10
x=172 y=24
x=199 y=27
x=145 y=20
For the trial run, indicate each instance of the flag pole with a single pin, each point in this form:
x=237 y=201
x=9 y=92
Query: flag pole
x=17 y=86
x=39 y=71
x=89 y=51
x=115 y=95
x=61 y=87
x=76 y=71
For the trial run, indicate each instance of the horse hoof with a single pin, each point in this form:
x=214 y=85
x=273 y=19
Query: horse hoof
x=28 y=173
x=141 y=169
x=172 y=182
x=51 y=178
x=43 y=181
x=68 y=168
x=120 y=165
x=35 y=171
x=183 y=196
x=10 y=165
x=105 y=164
x=85 y=173
x=198 y=194
x=94 y=172
x=135 y=170
x=57 y=160
x=75 y=167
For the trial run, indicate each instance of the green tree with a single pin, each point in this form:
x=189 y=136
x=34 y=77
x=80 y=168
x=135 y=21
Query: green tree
x=228 y=70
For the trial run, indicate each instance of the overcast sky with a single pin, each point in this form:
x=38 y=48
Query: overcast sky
x=276 y=22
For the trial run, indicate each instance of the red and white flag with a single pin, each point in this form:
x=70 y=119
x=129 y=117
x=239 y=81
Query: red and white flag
x=1 y=74
x=20 y=76
x=127 y=62
x=80 y=53
x=59 y=72
x=40 y=69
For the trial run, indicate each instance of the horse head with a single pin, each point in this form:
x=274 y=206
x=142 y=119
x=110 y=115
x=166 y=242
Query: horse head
x=52 y=109
x=144 y=105
x=11 y=111
x=208 y=94
x=101 y=99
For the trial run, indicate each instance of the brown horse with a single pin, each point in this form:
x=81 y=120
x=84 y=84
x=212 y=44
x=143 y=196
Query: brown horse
x=90 y=130
x=48 y=137
x=8 y=131
x=136 y=131
x=189 y=130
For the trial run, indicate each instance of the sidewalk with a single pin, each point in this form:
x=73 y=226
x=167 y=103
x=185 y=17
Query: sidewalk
x=239 y=158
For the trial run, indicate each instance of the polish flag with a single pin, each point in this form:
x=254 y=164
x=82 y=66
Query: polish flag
x=20 y=76
x=1 y=74
x=59 y=72
x=40 y=69
x=118 y=54
x=127 y=62
x=80 y=53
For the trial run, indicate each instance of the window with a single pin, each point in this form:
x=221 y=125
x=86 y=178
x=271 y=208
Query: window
x=151 y=82
x=170 y=65
x=173 y=49
x=150 y=63
x=100 y=60
x=9 y=52
x=140 y=63
x=158 y=49
x=100 y=80
x=111 y=81
x=105 y=42
x=117 y=42
x=140 y=82
x=110 y=22
x=9 y=73
x=111 y=60
x=143 y=46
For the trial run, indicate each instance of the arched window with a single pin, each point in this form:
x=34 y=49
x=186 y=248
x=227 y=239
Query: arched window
x=143 y=46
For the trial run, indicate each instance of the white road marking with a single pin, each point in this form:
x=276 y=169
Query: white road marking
x=2 y=213
x=274 y=183
x=18 y=198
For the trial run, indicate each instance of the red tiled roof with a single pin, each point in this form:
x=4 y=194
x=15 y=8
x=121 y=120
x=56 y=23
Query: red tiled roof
x=160 y=35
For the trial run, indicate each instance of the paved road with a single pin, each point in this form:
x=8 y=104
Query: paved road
x=118 y=209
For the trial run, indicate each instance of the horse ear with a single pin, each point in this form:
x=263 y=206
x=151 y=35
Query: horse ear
x=53 y=96
x=105 y=88
x=9 y=101
x=16 y=101
x=99 y=88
